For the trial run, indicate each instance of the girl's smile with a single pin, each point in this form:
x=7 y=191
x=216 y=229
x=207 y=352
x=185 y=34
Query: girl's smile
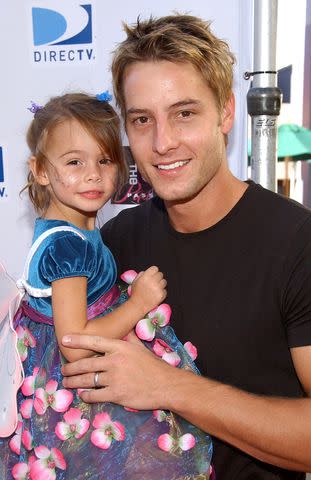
x=92 y=195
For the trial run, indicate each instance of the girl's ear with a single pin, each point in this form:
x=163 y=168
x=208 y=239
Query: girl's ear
x=39 y=173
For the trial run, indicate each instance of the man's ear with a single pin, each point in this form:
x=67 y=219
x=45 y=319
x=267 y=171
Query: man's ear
x=39 y=173
x=228 y=115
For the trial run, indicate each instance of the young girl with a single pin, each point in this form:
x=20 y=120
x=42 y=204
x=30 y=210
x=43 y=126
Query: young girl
x=76 y=164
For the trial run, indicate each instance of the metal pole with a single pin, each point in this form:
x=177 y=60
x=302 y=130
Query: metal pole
x=264 y=98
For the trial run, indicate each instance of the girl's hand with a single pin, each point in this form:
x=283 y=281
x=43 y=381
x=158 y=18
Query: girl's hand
x=148 y=289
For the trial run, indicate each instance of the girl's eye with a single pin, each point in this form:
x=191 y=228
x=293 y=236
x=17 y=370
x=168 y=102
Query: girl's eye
x=105 y=161
x=74 y=162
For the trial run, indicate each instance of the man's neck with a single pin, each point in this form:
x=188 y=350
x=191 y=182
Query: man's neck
x=212 y=204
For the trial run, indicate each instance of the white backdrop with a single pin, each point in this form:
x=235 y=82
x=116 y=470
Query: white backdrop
x=30 y=71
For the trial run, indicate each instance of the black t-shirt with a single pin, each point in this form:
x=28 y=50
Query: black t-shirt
x=240 y=291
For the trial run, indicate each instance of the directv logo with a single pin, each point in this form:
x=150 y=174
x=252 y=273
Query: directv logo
x=2 y=189
x=64 y=35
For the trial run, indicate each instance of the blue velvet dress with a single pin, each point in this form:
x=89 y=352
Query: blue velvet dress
x=59 y=436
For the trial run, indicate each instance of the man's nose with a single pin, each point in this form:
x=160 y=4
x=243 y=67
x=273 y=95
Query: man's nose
x=165 y=138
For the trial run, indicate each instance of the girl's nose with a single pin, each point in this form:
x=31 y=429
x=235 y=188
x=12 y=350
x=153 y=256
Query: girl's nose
x=93 y=173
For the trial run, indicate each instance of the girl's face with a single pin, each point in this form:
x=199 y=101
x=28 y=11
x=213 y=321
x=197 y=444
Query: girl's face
x=80 y=177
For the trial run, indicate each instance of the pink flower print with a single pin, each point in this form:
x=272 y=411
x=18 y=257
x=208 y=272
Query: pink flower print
x=20 y=437
x=26 y=408
x=106 y=431
x=128 y=277
x=15 y=442
x=170 y=444
x=160 y=415
x=25 y=339
x=73 y=426
x=48 y=460
x=158 y=317
x=28 y=386
x=58 y=400
x=21 y=471
x=167 y=354
x=191 y=350
x=27 y=439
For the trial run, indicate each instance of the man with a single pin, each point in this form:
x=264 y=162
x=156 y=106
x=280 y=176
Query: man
x=236 y=258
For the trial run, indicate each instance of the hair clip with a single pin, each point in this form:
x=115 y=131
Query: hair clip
x=34 y=107
x=104 y=97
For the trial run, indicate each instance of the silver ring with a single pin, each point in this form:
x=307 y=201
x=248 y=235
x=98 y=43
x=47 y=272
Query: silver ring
x=96 y=378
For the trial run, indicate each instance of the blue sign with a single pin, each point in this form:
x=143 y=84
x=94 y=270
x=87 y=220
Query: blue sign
x=50 y=25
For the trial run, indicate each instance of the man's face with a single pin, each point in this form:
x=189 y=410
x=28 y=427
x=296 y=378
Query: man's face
x=175 y=130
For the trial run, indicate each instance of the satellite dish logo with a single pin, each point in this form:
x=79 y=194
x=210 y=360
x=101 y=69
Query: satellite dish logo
x=2 y=188
x=64 y=35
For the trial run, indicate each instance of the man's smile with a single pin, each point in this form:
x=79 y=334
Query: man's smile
x=172 y=166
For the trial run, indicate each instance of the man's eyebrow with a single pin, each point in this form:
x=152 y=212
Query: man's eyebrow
x=181 y=103
x=186 y=102
x=134 y=110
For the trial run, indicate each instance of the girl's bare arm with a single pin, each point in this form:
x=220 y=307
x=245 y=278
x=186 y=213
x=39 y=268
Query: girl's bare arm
x=70 y=306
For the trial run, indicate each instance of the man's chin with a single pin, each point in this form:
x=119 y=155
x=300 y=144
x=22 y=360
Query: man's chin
x=171 y=199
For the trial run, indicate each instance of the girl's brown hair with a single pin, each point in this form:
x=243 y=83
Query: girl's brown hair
x=98 y=118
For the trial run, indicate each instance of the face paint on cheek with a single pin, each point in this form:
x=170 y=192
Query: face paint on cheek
x=68 y=180
x=63 y=176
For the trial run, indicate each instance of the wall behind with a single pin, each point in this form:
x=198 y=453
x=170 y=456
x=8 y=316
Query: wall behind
x=50 y=47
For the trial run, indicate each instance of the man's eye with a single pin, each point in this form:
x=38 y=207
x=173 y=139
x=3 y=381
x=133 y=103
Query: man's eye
x=141 y=120
x=186 y=113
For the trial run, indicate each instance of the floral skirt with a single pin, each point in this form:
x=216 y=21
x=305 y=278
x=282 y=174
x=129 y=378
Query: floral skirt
x=60 y=437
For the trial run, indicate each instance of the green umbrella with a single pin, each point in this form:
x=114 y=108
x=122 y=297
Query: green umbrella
x=293 y=141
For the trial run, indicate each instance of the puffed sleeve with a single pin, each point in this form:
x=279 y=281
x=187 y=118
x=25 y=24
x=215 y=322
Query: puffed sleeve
x=67 y=256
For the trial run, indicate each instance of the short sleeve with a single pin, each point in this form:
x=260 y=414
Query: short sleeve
x=67 y=256
x=297 y=294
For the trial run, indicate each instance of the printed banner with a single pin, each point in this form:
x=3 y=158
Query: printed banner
x=136 y=190
x=51 y=47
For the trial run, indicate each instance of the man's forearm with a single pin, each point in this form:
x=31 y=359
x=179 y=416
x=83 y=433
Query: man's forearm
x=274 y=430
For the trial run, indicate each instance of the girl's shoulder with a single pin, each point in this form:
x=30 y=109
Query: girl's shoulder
x=47 y=228
x=48 y=231
x=62 y=249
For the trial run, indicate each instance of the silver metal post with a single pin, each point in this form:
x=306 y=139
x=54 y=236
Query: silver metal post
x=264 y=98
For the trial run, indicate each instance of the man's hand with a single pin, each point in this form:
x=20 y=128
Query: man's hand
x=129 y=374
x=274 y=430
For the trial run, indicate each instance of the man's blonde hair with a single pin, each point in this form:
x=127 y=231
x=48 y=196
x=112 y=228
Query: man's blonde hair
x=175 y=38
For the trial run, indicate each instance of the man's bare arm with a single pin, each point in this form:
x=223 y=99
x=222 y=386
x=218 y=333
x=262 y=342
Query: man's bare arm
x=274 y=430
